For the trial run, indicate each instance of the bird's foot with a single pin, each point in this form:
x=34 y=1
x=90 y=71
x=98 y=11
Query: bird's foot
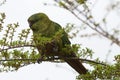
x=40 y=60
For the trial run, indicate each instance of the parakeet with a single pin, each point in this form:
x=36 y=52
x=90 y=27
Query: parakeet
x=51 y=40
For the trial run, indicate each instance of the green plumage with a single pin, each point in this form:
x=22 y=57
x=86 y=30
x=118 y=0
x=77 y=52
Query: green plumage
x=41 y=24
x=50 y=39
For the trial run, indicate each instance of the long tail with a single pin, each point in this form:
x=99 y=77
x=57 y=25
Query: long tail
x=77 y=65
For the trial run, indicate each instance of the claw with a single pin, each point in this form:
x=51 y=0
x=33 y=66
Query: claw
x=39 y=60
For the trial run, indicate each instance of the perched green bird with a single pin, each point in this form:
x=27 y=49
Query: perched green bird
x=52 y=41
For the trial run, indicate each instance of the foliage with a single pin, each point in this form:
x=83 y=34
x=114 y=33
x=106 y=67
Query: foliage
x=13 y=53
x=110 y=72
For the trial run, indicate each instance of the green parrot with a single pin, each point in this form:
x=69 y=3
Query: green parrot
x=52 y=41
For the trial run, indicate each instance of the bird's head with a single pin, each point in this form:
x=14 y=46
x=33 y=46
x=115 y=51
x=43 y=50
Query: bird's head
x=37 y=17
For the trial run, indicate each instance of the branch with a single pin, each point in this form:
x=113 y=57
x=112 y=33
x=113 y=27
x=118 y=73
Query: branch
x=102 y=32
x=91 y=24
x=19 y=46
x=54 y=60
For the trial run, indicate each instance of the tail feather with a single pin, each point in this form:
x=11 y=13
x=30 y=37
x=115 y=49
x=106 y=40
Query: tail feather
x=77 y=65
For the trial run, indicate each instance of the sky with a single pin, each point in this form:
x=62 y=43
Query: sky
x=20 y=10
